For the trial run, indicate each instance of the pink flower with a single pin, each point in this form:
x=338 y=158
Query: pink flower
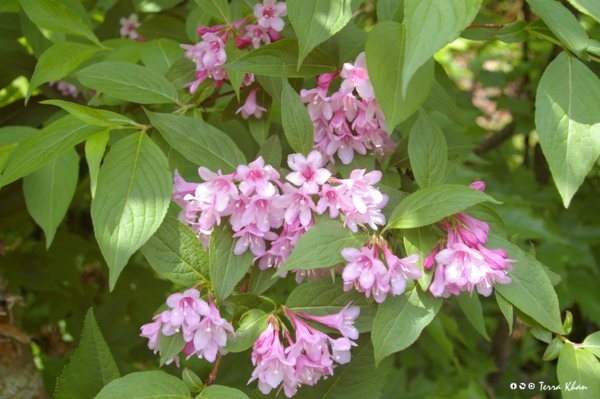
x=307 y=171
x=496 y=258
x=252 y=237
x=250 y=107
x=297 y=203
x=335 y=199
x=400 y=270
x=345 y=146
x=478 y=228
x=128 y=26
x=362 y=270
x=478 y=185
x=260 y=212
x=429 y=261
x=360 y=187
x=342 y=321
x=269 y=14
x=181 y=189
x=219 y=185
x=152 y=331
x=356 y=76
x=462 y=264
x=255 y=34
x=187 y=306
x=211 y=334
x=256 y=176
x=318 y=103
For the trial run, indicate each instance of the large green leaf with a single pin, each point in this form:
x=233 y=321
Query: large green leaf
x=133 y=194
x=259 y=127
x=401 y=319
x=170 y=346
x=57 y=62
x=226 y=268
x=83 y=113
x=199 y=142
x=471 y=307
x=390 y=10
x=91 y=368
x=217 y=8
x=563 y=24
x=50 y=14
x=221 y=392
x=323 y=297
x=592 y=343
x=161 y=54
x=578 y=368
x=271 y=152
x=297 y=125
x=440 y=100
x=146 y=384
x=176 y=252
x=252 y=324
x=422 y=242
x=15 y=134
x=567 y=118
x=385 y=58
x=430 y=25
x=275 y=58
x=530 y=290
x=260 y=280
x=321 y=247
x=49 y=191
x=315 y=21
x=589 y=7
x=95 y=147
x=45 y=146
x=428 y=151
x=128 y=82
x=432 y=204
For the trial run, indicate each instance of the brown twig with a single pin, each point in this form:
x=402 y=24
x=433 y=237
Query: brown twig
x=213 y=375
x=498 y=26
x=218 y=96
x=497 y=138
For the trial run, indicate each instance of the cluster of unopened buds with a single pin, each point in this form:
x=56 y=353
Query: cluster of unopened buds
x=209 y=54
x=305 y=361
x=202 y=327
x=259 y=207
x=343 y=123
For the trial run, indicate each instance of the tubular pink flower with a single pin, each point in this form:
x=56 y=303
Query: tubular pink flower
x=255 y=34
x=272 y=366
x=257 y=176
x=128 y=26
x=187 y=306
x=251 y=237
x=211 y=334
x=477 y=227
x=356 y=76
x=362 y=269
x=307 y=172
x=152 y=332
x=269 y=14
x=335 y=199
x=429 y=261
x=400 y=270
x=342 y=321
x=250 y=107
x=478 y=185
x=297 y=204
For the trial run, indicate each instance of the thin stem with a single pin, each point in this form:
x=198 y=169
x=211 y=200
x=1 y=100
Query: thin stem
x=485 y=26
x=213 y=375
x=218 y=96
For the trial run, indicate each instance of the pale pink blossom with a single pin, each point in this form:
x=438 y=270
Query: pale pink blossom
x=256 y=34
x=298 y=204
x=307 y=172
x=400 y=270
x=257 y=176
x=362 y=270
x=128 y=26
x=250 y=107
x=187 y=306
x=356 y=76
x=253 y=238
x=336 y=199
x=211 y=334
x=478 y=185
x=342 y=321
x=269 y=14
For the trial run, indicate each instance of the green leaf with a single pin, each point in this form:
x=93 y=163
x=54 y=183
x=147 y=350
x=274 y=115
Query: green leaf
x=315 y=21
x=261 y=280
x=133 y=194
x=390 y=10
x=432 y=204
x=421 y=241
x=321 y=247
x=359 y=378
x=16 y=134
x=459 y=145
x=323 y=297
x=259 y=127
x=221 y=392
x=128 y=82
x=181 y=72
x=50 y=14
x=175 y=252
x=95 y=147
x=238 y=304
x=592 y=343
x=49 y=191
x=578 y=368
x=589 y=7
x=145 y=384
x=507 y=310
x=431 y=25
x=50 y=143
x=226 y=268
x=352 y=43
x=199 y=142
x=271 y=152
x=57 y=62
x=235 y=77
x=385 y=58
x=428 y=151
x=594 y=47
x=400 y=320
x=530 y=289
x=513 y=33
x=488 y=215
x=297 y=125
x=567 y=118
x=161 y=54
x=275 y=58
x=440 y=100
x=91 y=368
x=471 y=307
x=563 y=24
x=252 y=324
x=170 y=347
x=553 y=350
x=217 y=8
x=81 y=112
x=193 y=382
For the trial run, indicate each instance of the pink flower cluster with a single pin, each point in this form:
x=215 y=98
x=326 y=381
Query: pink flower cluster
x=202 y=327
x=367 y=273
x=128 y=26
x=465 y=263
x=306 y=360
x=68 y=89
x=343 y=123
x=209 y=54
x=259 y=208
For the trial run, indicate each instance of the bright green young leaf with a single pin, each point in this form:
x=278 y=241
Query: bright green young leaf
x=259 y=127
x=175 y=252
x=221 y=392
x=592 y=343
x=271 y=152
x=428 y=151
x=513 y=33
x=128 y=82
x=95 y=147
x=170 y=347
x=252 y=324
x=201 y=143
x=217 y=8
x=81 y=112
x=421 y=241
x=48 y=144
x=191 y=379
x=226 y=268
x=401 y=319
x=57 y=62
x=507 y=310
x=553 y=350
x=91 y=368
x=432 y=204
x=321 y=246
x=390 y=10
x=145 y=384
x=133 y=194
x=563 y=24
x=578 y=368
x=274 y=58
x=50 y=14
x=316 y=21
x=385 y=58
x=471 y=307
x=49 y=191
x=297 y=126
x=430 y=25
x=440 y=100
x=594 y=47
x=161 y=54
x=589 y=7
x=16 y=134
x=323 y=297
x=567 y=118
